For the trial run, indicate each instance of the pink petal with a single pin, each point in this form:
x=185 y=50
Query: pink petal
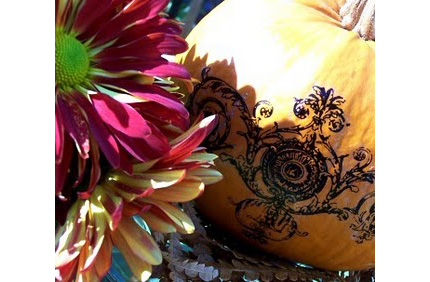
x=183 y=146
x=56 y=9
x=139 y=138
x=149 y=46
x=103 y=137
x=161 y=116
x=112 y=10
x=144 y=27
x=68 y=271
x=133 y=86
x=126 y=161
x=90 y=10
x=75 y=124
x=154 y=7
x=59 y=135
x=137 y=10
x=166 y=107
x=113 y=205
x=154 y=67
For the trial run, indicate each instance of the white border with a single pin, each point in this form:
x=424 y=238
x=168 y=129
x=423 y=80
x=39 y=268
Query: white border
x=402 y=141
x=27 y=140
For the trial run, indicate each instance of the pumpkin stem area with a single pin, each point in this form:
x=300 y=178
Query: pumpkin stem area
x=359 y=16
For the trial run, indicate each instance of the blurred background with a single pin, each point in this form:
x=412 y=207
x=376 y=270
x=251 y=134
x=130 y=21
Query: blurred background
x=190 y=12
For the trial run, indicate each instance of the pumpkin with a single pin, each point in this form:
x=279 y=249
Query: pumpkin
x=294 y=92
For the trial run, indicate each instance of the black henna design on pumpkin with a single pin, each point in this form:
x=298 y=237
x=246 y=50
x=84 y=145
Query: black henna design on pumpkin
x=293 y=168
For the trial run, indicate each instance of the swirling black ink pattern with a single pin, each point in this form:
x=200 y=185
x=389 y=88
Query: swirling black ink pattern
x=292 y=165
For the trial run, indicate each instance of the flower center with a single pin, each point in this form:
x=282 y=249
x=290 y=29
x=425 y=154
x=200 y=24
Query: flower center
x=71 y=60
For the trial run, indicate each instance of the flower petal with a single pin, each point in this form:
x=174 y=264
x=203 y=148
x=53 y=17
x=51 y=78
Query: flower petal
x=81 y=170
x=170 y=123
x=156 y=94
x=184 y=191
x=152 y=67
x=71 y=237
x=127 y=192
x=64 y=9
x=59 y=135
x=160 y=106
x=142 y=167
x=136 y=10
x=89 y=11
x=106 y=16
x=182 y=221
x=143 y=184
x=149 y=46
x=183 y=146
x=133 y=208
x=66 y=272
x=104 y=259
x=202 y=157
x=75 y=124
x=207 y=175
x=138 y=240
x=111 y=203
x=140 y=268
x=95 y=170
x=158 y=221
x=87 y=274
x=149 y=26
x=99 y=227
x=103 y=137
x=139 y=138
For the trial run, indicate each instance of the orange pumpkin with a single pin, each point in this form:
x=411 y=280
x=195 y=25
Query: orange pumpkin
x=294 y=92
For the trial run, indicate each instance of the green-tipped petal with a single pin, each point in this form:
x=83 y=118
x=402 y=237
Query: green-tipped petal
x=207 y=175
x=158 y=221
x=140 y=241
x=184 y=191
x=183 y=223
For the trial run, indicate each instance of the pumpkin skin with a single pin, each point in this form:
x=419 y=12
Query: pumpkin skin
x=295 y=95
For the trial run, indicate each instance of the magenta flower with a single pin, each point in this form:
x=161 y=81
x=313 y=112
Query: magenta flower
x=112 y=87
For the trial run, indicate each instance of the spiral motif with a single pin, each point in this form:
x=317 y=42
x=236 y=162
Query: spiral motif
x=297 y=173
x=300 y=109
x=361 y=154
x=218 y=136
x=263 y=109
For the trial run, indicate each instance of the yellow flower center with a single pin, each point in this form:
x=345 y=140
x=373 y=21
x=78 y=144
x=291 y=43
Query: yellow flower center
x=71 y=60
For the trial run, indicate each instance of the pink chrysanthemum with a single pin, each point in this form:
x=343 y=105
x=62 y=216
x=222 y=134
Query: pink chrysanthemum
x=111 y=85
x=93 y=225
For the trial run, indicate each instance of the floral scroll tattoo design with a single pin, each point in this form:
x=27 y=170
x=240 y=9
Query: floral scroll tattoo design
x=292 y=162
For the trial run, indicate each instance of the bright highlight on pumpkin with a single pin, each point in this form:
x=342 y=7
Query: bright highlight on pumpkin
x=71 y=60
